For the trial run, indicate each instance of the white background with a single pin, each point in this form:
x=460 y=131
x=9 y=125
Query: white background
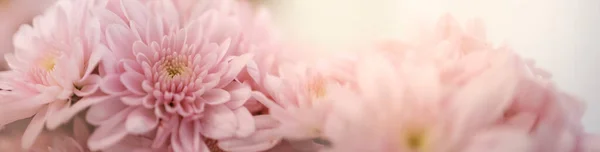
x=561 y=35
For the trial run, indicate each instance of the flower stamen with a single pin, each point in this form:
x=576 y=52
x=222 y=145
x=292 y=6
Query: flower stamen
x=317 y=88
x=415 y=139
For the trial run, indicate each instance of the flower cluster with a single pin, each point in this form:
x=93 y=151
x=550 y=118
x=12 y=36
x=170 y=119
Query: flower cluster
x=213 y=75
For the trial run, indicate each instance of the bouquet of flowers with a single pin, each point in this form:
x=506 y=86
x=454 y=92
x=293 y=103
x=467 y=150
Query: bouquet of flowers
x=214 y=75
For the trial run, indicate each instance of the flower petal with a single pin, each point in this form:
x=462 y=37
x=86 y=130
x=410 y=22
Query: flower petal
x=103 y=111
x=500 y=140
x=94 y=59
x=120 y=41
x=246 y=124
x=112 y=85
x=235 y=67
x=90 y=85
x=260 y=140
x=109 y=132
x=26 y=107
x=141 y=121
x=64 y=115
x=133 y=82
x=133 y=100
x=34 y=128
x=219 y=122
x=216 y=96
x=135 y=11
x=240 y=93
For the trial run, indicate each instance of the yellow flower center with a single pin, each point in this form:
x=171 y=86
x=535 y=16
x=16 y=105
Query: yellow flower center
x=174 y=66
x=48 y=63
x=317 y=88
x=415 y=140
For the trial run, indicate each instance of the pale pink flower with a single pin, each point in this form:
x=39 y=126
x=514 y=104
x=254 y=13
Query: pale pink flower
x=51 y=67
x=174 y=80
x=14 y=13
x=470 y=97
x=410 y=107
x=296 y=98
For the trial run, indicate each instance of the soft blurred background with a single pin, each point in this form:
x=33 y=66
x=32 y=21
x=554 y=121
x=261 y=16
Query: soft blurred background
x=560 y=35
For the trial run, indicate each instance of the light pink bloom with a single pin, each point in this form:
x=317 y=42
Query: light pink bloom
x=409 y=107
x=64 y=139
x=173 y=80
x=51 y=67
x=470 y=97
x=296 y=98
x=14 y=13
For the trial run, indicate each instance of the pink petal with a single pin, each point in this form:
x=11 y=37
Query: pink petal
x=474 y=104
x=133 y=100
x=135 y=11
x=500 y=140
x=141 y=49
x=260 y=140
x=25 y=108
x=164 y=130
x=219 y=122
x=187 y=139
x=120 y=41
x=103 y=111
x=34 y=128
x=245 y=123
x=141 y=121
x=265 y=122
x=64 y=115
x=240 y=93
x=94 y=59
x=133 y=82
x=216 y=96
x=110 y=131
x=275 y=110
x=235 y=67
x=53 y=114
x=112 y=85
x=130 y=65
x=154 y=30
x=90 y=85
x=107 y=17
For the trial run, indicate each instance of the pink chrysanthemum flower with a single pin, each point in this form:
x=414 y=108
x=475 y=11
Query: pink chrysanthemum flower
x=14 y=13
x=172 y=83
x=51 y=68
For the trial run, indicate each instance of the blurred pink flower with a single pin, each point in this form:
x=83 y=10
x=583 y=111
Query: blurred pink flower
x=175 y=81
x=296 y=98
x=469 y=97
x=409 y=107
x=51 y=67
x=14 y=13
